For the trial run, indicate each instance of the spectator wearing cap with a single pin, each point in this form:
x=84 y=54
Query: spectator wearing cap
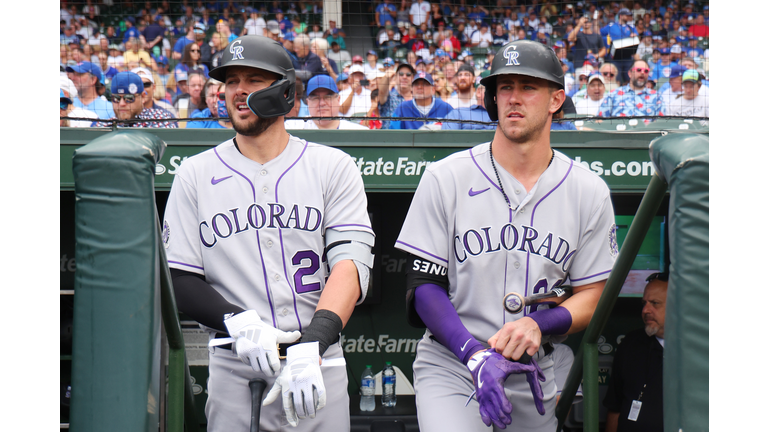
x=617 y=31
x=335 y=34
x=693 y=51
x=464 y=97
x=423 y=105
x=255 y=25
x=135 y=55
x=691 y=103
x=342 y=81
x=163 y=73
x=633 y=99
x=582 y=78
x=323 y=101
x=388 y=99
x=116 y=58
x=585 y=41
x=562 y=54
x=476 y=112
x=645 y=47
x=673 y=88
x=356 y=99
x=152 y=96
x=154 y=32
x=589 y=103
x=663 y=68
x=372 y=64
x=89 y=82
x=130 y=30
x=341 y=58
x=481 y=38
x=307 y=64
x=178 y=47
x=127 y=90
x=67 y=109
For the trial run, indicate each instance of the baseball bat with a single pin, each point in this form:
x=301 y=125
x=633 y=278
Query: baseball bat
x=515 y=303
x=257 y=386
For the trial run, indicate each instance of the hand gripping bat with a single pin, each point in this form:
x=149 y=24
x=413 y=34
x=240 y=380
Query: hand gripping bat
x=515 y=303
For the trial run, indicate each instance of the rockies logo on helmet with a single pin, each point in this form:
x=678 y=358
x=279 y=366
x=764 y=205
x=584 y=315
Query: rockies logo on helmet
x=511 y=55
x=237 y=50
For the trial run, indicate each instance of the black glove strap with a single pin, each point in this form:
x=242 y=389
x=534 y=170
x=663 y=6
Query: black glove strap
x=324 y=328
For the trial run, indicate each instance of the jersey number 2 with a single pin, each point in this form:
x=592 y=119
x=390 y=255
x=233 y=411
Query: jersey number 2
x=314 y=265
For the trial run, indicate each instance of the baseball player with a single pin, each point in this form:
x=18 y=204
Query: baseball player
x=269 y=242
x=512 y=215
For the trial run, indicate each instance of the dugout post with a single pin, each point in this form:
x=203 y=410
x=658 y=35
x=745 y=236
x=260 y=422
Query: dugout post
x=585 y=360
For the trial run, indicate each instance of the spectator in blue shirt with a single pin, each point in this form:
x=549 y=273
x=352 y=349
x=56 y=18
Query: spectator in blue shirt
x=178 y=47
x=613 y=32
x=130 y=30
x=633 y=99
x=474 y=113
x=660 y=70
x=424 y=104
x=89 y=82
x=386 y=13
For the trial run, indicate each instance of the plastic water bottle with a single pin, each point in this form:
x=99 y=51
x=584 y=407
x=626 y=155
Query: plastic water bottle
x=367 y=387
x=388 y=396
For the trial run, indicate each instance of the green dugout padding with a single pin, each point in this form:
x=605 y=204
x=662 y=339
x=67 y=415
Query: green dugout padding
x=683 y=162
x=116 y=342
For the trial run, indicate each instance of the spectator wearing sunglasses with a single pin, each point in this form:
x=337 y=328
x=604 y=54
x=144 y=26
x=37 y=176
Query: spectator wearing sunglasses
x=190 y=61
x=637 y=373
x=127 y=91
x=152 y=96
x=389 y=100
x=609 y=73
x=633 y=99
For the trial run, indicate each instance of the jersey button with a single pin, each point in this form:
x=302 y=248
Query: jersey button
x=269 y=243
x=517 y=264
x=285 y=311
x=522 y=210
x=277 y=277
x=517 y=191
x=263 y=172
x=264 y=189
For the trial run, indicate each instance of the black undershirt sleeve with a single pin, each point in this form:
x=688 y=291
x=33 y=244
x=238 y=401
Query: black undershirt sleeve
x=200 y=301
x=420 y=272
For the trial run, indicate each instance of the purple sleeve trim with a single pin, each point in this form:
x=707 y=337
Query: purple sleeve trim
x=185 y=264
x=555 y=321
x=590 y=276
x=347 y=225
x=438 y=313
x=422 y=251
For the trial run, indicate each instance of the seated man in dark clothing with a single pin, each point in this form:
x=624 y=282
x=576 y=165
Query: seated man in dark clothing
x=307 y=64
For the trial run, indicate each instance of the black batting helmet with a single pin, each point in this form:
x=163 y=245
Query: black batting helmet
x=262 y=53
x=521 y=57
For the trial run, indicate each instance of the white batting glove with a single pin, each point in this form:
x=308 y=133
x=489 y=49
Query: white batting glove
x=256 y=341
x=301 y=383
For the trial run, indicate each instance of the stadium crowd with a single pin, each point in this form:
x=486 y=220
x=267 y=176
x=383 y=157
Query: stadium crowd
x=149 y=61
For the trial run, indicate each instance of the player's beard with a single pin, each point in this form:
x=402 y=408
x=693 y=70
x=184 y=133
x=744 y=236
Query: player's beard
x=523 y=133
x=252 y=128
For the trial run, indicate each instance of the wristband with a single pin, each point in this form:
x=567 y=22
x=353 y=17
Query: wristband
x=555 y=321
x=324 y=328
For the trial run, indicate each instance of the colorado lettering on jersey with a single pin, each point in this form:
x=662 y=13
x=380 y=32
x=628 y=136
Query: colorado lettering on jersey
x=473 y=243
x=429 y=267
x=235 y=221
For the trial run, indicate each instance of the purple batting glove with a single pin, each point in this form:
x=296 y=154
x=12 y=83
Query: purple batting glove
x=533 y=375
x=489 y=371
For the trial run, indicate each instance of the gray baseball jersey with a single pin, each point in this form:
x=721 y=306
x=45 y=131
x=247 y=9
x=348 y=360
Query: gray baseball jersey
x=256 y=232
x=562 y=230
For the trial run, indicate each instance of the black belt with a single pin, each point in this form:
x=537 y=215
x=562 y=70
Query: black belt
x=282 y=348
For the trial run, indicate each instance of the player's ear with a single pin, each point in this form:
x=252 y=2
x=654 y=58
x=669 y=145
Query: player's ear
x=556 y=100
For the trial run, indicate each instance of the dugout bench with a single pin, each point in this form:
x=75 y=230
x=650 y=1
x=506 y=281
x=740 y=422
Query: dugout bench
x=377 y=331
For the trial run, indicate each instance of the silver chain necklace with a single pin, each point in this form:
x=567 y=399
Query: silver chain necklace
x=498 y=179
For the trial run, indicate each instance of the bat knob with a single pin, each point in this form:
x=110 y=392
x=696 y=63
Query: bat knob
x=513 y=303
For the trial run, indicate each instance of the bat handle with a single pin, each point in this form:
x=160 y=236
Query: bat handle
x=525 y=358
x=257 y=386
